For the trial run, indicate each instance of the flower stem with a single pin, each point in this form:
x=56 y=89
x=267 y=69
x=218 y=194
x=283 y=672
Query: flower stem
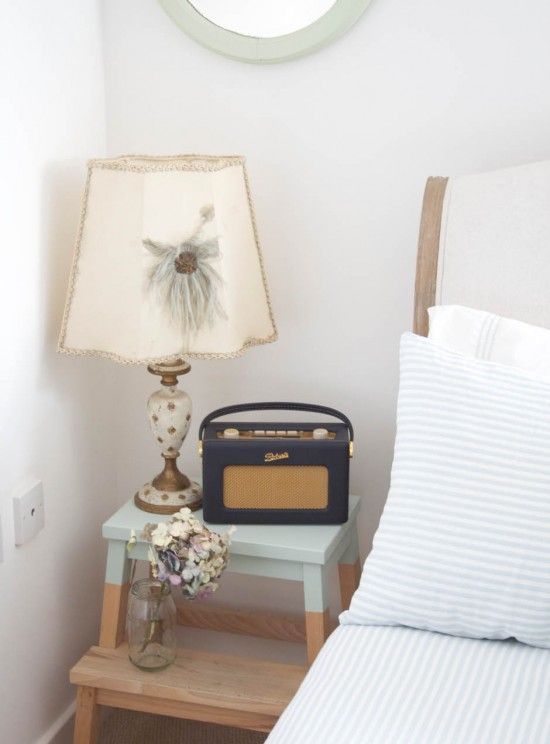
x=152 y=626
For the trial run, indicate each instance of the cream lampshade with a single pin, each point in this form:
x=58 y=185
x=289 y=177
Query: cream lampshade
x=167 y=265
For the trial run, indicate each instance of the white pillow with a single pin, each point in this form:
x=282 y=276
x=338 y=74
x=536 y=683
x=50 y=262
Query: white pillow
x=487 y=336
x=463 y=546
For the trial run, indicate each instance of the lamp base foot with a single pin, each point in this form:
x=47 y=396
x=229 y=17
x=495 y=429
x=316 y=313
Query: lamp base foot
x=150 y=499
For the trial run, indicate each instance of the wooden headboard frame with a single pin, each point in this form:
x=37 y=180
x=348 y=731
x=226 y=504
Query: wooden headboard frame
x=428 y=251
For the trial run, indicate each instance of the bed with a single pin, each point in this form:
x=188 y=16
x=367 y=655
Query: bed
x=484 y=243
x=383 y=685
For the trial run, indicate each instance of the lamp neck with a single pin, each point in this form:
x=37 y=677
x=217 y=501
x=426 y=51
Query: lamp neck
x=170 y=371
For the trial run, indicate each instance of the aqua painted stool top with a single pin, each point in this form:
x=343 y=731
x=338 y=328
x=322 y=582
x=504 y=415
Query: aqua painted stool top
x=304 y=543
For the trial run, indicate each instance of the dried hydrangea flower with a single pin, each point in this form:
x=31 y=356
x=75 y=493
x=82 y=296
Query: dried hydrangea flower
x=186 y=553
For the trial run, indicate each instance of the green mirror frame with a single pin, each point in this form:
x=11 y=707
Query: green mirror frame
x=331 y=25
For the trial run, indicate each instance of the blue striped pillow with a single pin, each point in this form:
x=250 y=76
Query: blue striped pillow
x=463 y=546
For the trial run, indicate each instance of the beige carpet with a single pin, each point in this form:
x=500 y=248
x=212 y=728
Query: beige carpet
x=127 y=727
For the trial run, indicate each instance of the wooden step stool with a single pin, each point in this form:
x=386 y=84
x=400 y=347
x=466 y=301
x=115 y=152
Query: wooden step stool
x=228 y=690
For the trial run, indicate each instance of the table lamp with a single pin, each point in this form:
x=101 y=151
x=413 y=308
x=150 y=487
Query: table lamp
x=167 y=266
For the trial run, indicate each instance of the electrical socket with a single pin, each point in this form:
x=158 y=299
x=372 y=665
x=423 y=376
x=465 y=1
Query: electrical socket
x=28 y=511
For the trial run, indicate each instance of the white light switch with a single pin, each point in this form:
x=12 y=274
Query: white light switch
x=28 y=512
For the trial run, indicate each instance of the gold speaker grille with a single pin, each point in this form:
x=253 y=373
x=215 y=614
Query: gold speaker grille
x=275 y=487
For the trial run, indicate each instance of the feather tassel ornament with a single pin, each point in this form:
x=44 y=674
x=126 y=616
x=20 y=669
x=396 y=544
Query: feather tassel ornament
x=183 y=278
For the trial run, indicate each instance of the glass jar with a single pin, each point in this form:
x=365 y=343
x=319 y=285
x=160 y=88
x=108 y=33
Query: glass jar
x=151 y=625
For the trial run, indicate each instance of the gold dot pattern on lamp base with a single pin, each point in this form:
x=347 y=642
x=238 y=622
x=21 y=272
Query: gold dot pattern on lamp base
x=150 y=499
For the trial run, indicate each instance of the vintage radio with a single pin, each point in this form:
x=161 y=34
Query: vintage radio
x=275 y=472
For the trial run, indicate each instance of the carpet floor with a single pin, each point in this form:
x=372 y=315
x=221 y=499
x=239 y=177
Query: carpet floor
x=127 y=727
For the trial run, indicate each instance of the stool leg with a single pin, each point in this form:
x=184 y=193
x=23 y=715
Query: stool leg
x=316 y=606
x=87 y=722
x=115 y=595
x=349 y=571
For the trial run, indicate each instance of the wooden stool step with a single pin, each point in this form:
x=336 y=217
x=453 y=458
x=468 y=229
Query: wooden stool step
x=228 y=690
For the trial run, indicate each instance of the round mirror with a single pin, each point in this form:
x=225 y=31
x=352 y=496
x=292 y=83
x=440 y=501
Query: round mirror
x=264 y=30
x=263 y=18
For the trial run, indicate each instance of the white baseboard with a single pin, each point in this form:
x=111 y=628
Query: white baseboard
x=61 y=730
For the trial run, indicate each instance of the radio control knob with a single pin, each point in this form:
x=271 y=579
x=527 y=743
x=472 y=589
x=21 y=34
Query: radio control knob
x=320 y=433
x=231 y=433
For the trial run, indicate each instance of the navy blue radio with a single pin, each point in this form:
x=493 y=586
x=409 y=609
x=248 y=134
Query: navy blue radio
x=276 y=472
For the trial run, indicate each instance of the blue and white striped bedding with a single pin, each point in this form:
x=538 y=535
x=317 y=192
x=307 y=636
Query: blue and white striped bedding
x=393 y=685
x=463 y=546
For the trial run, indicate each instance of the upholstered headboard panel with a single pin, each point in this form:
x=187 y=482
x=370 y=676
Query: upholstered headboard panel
x=485 y=243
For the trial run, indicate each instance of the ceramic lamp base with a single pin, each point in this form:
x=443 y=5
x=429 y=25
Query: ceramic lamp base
x=169 y=411
x=153 y=500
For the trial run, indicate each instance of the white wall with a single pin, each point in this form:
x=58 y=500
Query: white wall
x=55 y=411
x=339 y=145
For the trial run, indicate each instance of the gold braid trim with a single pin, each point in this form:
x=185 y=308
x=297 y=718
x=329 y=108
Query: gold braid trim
x=158 y=360
x=151 y=164
x=275 y=334
x=76 y=256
